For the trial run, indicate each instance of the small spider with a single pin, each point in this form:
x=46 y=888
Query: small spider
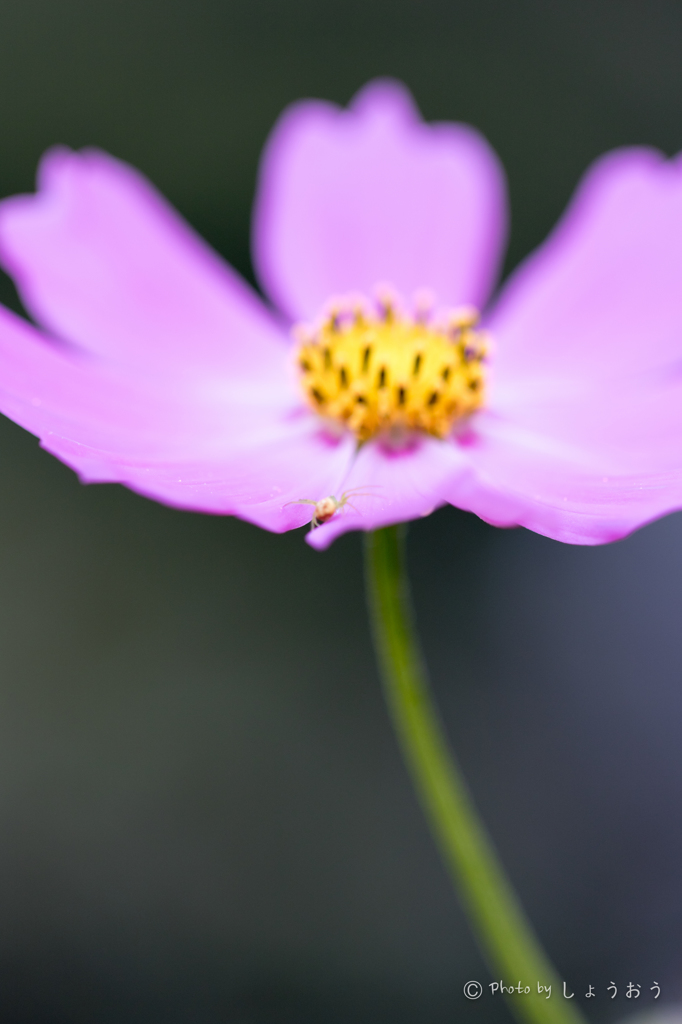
x=327 y=507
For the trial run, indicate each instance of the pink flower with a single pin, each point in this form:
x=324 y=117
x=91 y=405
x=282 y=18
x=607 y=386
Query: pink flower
x=159 y=368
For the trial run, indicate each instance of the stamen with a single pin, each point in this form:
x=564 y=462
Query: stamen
x=424 y=301
x=388 y=301
x=434 y=365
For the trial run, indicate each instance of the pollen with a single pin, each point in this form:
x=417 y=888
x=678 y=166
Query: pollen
x=375 y=369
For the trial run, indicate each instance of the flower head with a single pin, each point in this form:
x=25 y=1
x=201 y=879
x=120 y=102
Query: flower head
x=378 y=239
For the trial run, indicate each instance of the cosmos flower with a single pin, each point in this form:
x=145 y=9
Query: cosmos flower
x=370 y=392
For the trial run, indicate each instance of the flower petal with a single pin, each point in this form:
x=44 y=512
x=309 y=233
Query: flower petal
x=351 y=198
x=267 y=482
x=602 y=295
x=582 y=440
x=102 y=261
x=581 y=473
x=209 y=448
x=386 y=487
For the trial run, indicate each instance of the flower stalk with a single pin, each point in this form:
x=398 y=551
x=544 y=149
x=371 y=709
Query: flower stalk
x=504 y=934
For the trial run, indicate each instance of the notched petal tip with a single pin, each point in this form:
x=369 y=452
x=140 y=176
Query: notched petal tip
x=387 y=98
x=53 y=163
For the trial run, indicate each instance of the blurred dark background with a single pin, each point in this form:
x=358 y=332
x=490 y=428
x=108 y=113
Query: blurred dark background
x=203 y=816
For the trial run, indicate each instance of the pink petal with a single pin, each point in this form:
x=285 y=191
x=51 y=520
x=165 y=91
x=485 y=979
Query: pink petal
x=197 y=444
x=602 y=296
x=269 y=482
x=583 y=437
x=351 y=198
x=102 y=261
x=575 y=494
x=386 y=487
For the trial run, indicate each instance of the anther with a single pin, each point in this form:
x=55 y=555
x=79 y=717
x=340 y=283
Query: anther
x=365 y=359
x=462 y=317
x=335 y=317
x=424 y=302
x=417 y=364
x=387 y=301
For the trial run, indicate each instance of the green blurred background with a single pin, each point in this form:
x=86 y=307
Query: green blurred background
x=203 y=816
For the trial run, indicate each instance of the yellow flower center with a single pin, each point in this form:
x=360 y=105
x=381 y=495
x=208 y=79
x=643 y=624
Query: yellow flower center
x=381 y=371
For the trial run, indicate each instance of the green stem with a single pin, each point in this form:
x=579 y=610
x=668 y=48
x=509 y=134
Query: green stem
x=504 y=934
